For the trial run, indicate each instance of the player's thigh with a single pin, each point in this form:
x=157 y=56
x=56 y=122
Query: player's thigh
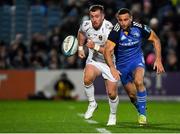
x=91 y=72
x=130 y=88
x=106 y=73
x=139 y=75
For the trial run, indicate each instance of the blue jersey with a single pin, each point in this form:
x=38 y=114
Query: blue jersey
x=128 y=52
x=128 y=44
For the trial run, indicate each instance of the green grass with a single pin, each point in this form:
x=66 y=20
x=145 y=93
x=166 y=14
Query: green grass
x=61 y=116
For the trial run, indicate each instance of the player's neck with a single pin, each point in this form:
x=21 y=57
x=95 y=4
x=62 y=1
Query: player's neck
x=127 y=29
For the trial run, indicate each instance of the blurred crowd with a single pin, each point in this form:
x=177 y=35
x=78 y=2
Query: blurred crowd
x=43 y=51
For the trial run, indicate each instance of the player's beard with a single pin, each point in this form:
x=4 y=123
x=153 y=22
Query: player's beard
x=96 y=27
x=126 y=28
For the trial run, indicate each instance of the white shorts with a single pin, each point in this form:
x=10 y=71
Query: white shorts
x=104 y=68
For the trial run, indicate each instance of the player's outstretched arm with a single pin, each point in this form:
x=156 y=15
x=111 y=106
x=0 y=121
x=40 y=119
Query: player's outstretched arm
x=157 y=45
x=81 y=40
x=109 y=48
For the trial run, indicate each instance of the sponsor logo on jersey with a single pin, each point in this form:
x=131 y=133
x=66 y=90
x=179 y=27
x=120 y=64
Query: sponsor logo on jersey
x=129 y=43
x=100 y=37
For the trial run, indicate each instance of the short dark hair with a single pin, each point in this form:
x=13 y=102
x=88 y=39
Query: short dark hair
x=124 y=11
x=94 y=8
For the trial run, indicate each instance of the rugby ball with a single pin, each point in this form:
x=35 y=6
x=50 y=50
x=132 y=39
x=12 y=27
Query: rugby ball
x=70 y=45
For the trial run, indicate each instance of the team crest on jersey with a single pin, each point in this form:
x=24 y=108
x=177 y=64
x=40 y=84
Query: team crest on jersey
x=100 y=37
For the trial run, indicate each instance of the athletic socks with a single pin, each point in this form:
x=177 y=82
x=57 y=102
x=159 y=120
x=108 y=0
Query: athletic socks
x=113 y=105
x=89 y=90
x=141 y=101
x=135 y=103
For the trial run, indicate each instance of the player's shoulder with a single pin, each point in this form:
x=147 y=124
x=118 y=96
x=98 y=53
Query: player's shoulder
x=108 y=24
x=137 y=24
x=141 y=26
x=86 y=23
x=116 y=28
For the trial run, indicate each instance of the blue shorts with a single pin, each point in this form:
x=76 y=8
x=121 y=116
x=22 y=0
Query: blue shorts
x=128 y=70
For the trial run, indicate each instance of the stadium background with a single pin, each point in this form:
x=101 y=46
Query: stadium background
x=31 y=60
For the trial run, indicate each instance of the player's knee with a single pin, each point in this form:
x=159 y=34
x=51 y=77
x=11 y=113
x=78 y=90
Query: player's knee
x=112 y=95
x=132 y=95
x=132 y=98
x=87 y=81
x=138 y=83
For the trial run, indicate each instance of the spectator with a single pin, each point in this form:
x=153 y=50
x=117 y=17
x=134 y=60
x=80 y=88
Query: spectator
x=162 y=16
x=171 y=63
x=64 y=87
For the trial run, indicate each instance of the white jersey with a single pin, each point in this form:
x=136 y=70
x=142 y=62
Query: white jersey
x=99 y=37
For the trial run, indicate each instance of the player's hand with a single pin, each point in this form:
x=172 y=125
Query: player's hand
x=158 y=66
x=81 y=54
x=116 y=74
x=90 y=44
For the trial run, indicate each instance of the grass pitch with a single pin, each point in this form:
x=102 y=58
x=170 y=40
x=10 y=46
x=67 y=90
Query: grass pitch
x=63 y=117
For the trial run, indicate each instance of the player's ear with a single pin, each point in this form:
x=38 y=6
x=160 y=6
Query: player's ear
x=116 y=16
x=103 y=15
x=131 y=18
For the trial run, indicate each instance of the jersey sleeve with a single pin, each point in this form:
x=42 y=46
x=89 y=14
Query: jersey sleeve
x=84 y=26
x=109 y=26
x=81 y=29
x=113 y=35
x=146 y=31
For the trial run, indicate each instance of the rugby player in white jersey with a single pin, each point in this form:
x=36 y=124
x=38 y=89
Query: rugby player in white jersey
x=93 y=33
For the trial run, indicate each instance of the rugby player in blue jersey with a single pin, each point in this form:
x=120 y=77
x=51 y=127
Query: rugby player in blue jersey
x=125 y=42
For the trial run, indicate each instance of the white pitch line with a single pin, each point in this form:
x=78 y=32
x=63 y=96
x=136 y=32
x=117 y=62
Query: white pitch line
x=103 y=130
x=80 y=114
x=100 y=130
x=91 y=121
